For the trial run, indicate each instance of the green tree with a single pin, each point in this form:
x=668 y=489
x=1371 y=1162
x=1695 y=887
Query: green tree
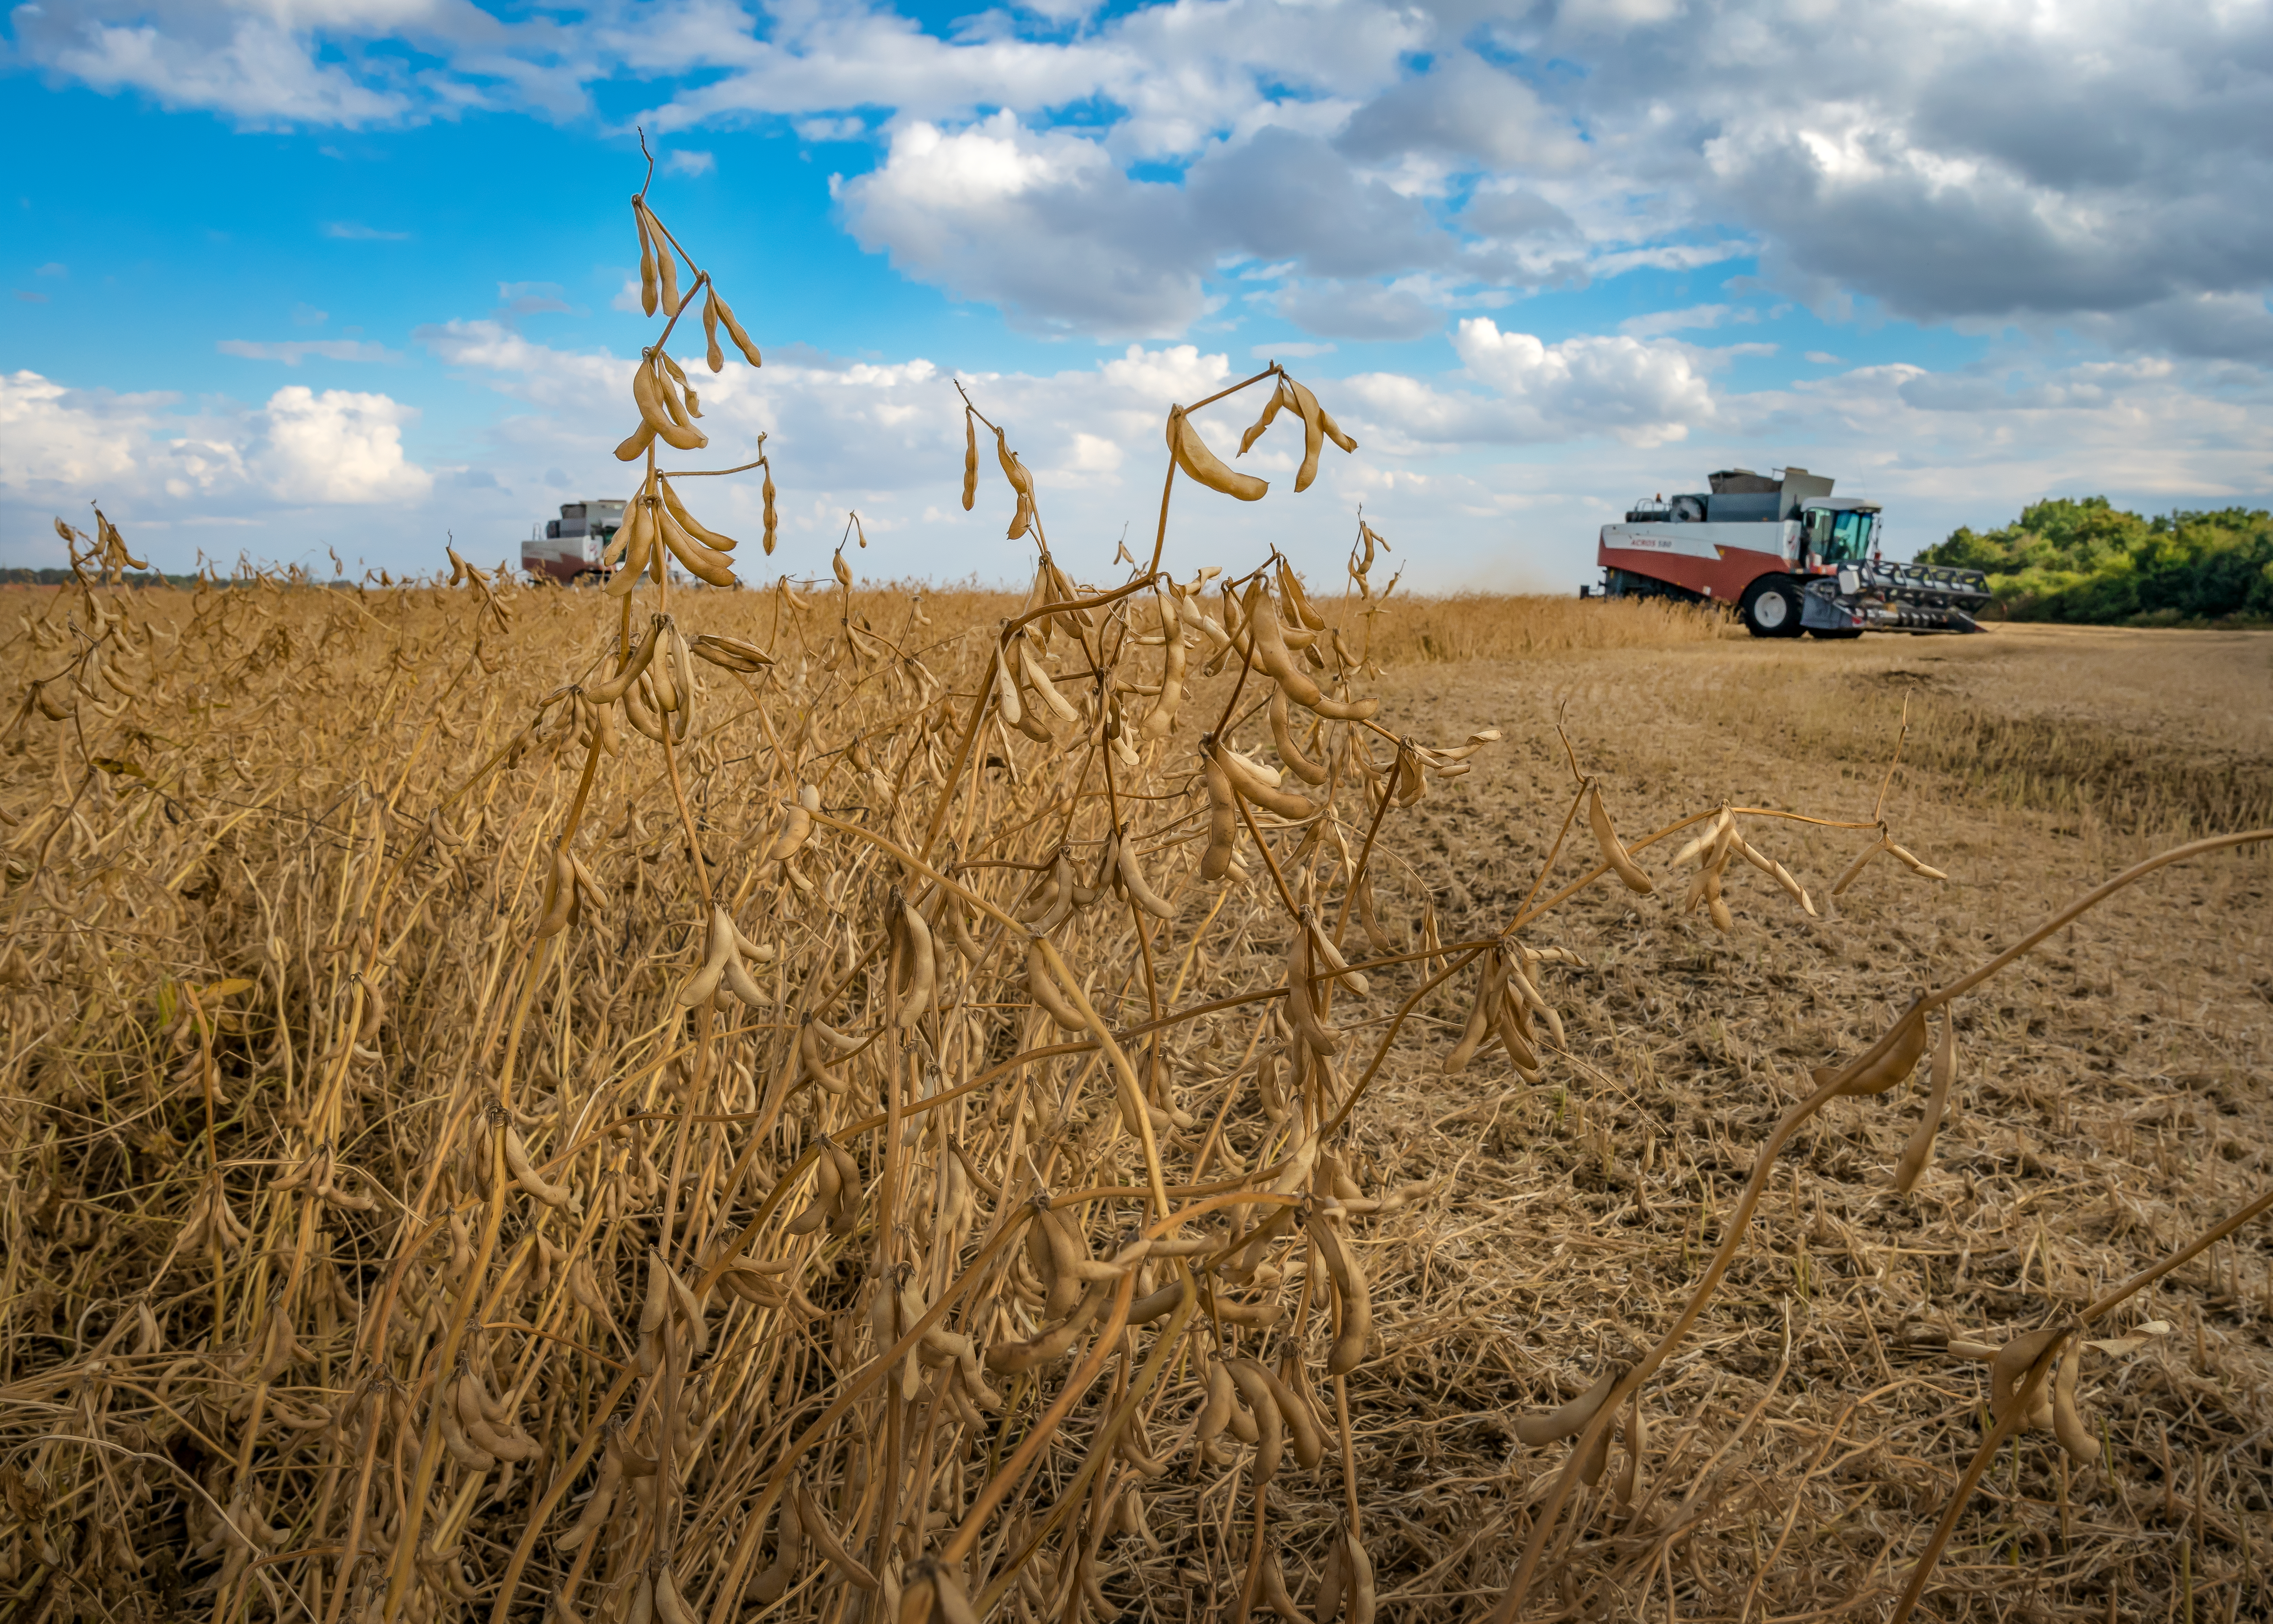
x=2083 y=559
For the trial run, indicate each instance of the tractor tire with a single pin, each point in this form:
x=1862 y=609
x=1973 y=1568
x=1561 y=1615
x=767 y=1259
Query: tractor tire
x=1771 y=607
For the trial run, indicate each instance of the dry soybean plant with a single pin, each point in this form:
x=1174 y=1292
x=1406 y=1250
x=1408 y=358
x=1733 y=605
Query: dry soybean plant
x=879 y=1144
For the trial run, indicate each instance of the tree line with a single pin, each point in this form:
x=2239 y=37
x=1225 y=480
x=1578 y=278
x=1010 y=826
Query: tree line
x=2086 y=560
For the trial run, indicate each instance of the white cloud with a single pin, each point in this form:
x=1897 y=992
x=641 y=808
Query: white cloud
x=261 y=471
x=65 y=441
x=1043 y=223
x=681 y=160
x=294 y=351
x=350 y=232
x=2091 y=166
x=338 y=446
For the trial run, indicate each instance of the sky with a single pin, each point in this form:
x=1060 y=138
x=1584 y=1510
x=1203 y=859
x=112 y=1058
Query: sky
x=290 y=277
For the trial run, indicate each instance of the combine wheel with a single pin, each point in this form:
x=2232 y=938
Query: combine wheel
x=1771 y=607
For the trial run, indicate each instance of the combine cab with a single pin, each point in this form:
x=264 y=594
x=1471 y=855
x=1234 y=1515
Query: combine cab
x=1788 y=555
x=569 y=547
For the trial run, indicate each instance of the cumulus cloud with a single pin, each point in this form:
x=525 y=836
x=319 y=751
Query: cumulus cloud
x=338 y=446
x=1044 y=224
x=259 y=470
x=2094 y=168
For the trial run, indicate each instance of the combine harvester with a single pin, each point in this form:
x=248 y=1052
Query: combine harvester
x=569 y=548
x=1788 y=555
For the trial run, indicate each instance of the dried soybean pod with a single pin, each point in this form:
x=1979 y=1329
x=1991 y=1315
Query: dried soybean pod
x=789 y=1555
x=735 y=331
x=1775 y=870
x=1139 y=888
x=1007 y=697
x=970 y=460
x=525 y=1174
x=1597 y=1458
x=1269 y=1427
x=1472 y=1035
x=1223 y=824
x=1357 y=1578
x=462 y=1449
x=816 y=1527
x=1046 y=992
x=1066 y=1284
x=1349 y=1284
x=560 y=897
x=923 y=980
x=647 y=256
x=2068 y=1424
x=1326 y=1606
x=1269 y=645
x=1215 y=1414
x=1297 y=601
x=1301 y=1431
x=607 y=693
x=1199 y=463
x=1914 y=863
x=1039 y=679
x=714 y=357
x=1900 y=1058
x=1614 y=850
x=1637 y=1438
x=689 y=523
x=595 y=1514
x=1847 y=876
x=1919 y=1151
x=2012 y=1363
x=668 y=1606
x=1269 y=411
x=1253 y=787
x=1160 y=720
x=1053 y=1344
x=667 y=266
x=1571 y=1418
x=766 y=493
x=634 y=445
x=796 y=827
x=1314 y=435
x=1274 y=1590
x=655 y=1307
x=1282 y=738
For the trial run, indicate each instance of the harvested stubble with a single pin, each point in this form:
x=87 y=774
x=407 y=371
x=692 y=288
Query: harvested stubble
x=836 y=1156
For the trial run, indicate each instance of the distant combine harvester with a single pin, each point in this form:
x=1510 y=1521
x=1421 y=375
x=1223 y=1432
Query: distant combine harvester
x=569 y=548
x=1788 y=555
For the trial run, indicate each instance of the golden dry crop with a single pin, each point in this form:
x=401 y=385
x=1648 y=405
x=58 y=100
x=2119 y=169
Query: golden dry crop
x=837 y=1101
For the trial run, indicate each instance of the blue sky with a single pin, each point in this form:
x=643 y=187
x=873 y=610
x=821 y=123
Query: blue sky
x=352 y=273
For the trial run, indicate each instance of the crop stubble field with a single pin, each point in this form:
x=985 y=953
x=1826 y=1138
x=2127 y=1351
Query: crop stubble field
x=1141 y=1099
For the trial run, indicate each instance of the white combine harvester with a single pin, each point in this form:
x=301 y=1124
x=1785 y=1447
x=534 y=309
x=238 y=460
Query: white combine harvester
x=569 y=548
x=1787 y=555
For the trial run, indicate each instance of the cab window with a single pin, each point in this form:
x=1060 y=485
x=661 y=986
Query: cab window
x=1835 y=537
